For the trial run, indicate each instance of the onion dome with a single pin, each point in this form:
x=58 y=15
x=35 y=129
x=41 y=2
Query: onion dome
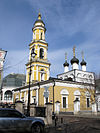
x=83 y=63
x=39 y=22
x=74 y=60
x=39 y=19
x=66 y=64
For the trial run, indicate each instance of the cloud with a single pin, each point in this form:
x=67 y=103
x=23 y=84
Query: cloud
x=68 y=23
x=15 y=62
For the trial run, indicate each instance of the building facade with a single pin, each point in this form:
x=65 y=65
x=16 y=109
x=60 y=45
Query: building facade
x=63 y=91
x=2 y=59
x=11 y=82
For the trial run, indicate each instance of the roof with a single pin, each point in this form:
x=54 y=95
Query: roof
x=66 y=64
x=14 y=80
x=51 y=80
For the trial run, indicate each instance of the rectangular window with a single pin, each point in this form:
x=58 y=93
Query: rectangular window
x=64 y=102
x=34 y=99
x=47 y=100
x=88 y=102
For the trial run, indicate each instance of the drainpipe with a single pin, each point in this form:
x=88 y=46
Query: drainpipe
x=53 y=97
x=38 y=92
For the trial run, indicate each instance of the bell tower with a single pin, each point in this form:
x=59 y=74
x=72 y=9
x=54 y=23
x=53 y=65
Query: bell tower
x=38 y=63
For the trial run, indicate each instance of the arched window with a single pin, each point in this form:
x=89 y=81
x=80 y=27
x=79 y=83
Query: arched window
x=8 y=95
x=41 y=53
x=41 y=35
x=88 y=95
x=77 y=95
x=32 y=51
x=42 y=74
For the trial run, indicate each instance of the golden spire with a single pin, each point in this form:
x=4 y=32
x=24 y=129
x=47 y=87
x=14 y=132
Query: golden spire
x=74 y=51
x=65 y=56
x=39 y=16
x=82 y=55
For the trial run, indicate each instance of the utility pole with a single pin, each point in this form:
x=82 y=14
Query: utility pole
x=33 y=54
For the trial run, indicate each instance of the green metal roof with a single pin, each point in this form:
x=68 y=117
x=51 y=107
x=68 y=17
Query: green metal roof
x=14 y=80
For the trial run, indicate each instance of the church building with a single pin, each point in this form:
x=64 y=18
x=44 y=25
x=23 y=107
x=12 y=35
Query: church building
x=64 y=91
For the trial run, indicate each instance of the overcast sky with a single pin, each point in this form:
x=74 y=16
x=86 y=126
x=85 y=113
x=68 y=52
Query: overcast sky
x=68 y=22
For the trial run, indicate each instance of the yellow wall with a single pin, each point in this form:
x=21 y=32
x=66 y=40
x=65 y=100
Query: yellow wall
x=58 y=97
x=71 y=97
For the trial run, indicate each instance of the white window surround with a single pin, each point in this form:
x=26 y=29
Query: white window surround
x=88 y=95
x=44 y=97
x=64 y=94
x=45 y=100
x=34 y=99
x=42 y=75
x=88 y=101
x=41 y=48
x=77 y=94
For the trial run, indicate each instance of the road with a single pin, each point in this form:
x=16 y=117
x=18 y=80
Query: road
x=73 y=124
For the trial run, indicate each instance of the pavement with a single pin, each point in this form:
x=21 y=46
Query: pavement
x=75 y=124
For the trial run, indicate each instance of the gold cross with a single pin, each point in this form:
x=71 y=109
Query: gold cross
x=82 y=55
x=74 y=51
x=65 y=56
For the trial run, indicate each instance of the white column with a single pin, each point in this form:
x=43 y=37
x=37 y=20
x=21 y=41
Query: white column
x=94 y=108
x=36 y=72
x=39 y=34
x=48 y=73
x=33 y=73
x=37 y=96
x=3 y=95
x=38 y=51
x=43 y=36
x=35 y=35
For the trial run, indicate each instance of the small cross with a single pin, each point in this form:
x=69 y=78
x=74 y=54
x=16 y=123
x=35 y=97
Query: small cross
x=65 y=56
x=82 y=55
x=74 y=51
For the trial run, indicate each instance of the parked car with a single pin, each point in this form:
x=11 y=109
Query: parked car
x=12 y=120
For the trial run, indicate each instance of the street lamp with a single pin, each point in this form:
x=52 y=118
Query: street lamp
x=33 y=54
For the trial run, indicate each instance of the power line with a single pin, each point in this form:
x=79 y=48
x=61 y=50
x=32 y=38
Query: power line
x=11 y=66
